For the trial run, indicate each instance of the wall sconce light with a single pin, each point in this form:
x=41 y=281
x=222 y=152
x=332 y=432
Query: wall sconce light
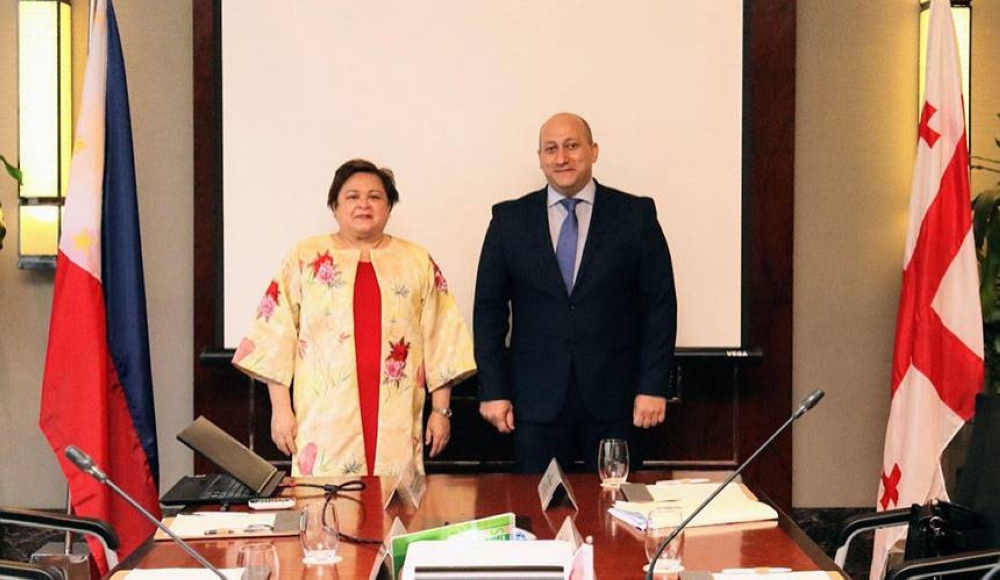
x=45 y=127
x=961 y=14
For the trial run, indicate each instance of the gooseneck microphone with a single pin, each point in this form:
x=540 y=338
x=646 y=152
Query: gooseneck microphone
x=807 y=404
x=85 y=464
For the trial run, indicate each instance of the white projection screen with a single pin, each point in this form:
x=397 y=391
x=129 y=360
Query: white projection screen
x=450 y=95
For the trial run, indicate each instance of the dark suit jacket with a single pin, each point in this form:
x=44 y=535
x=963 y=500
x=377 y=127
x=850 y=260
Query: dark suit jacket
x=616 y=330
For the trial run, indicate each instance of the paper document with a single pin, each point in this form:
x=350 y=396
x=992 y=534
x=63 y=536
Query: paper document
x=634 y=519
x=181 y=574
x=732 y=505
x=223 y=524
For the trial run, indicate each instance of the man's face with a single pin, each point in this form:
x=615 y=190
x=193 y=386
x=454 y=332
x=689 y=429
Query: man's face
x=565 y=154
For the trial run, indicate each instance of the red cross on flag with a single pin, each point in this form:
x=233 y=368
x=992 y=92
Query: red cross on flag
x=937 y=366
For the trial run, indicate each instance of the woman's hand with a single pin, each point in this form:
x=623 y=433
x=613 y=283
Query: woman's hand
x=438 y=432
x=284 y=426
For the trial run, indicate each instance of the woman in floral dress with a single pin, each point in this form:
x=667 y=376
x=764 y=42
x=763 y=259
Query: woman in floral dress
x=362 y=325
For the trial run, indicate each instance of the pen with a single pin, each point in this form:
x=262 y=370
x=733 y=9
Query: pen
x=251 y=529
x=758 y=570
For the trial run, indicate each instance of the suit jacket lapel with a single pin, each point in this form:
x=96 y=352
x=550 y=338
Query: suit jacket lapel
x=540 y=241
x=599 y=223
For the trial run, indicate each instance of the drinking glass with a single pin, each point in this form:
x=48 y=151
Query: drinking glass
x=660 y=523
x=612 y=462
x=260 y=561
x=319 y=533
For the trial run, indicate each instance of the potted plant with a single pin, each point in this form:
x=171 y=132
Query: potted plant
x=986 y=226
x=16 y=174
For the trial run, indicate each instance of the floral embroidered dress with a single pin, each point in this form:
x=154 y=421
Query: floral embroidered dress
x=303 y=335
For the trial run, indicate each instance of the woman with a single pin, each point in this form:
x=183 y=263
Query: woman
x=360 y=322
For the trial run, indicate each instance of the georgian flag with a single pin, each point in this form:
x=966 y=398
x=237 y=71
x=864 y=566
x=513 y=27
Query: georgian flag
x=937 y=364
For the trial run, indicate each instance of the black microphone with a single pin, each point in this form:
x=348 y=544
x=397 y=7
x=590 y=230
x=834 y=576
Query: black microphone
x=85 y=464
x=806 y=405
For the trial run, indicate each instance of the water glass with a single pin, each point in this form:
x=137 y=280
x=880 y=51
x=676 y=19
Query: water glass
x=612 y=462
x=319 y=533
x=660 y=523
x=259 y=560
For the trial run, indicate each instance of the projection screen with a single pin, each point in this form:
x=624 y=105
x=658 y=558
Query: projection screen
x=450 y=94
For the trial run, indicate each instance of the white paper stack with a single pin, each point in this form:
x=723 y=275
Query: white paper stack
x=734 y=504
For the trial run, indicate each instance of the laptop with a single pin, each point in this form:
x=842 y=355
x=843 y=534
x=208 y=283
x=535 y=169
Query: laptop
x=246 y=475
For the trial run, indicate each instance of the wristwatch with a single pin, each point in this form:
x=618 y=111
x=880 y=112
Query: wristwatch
x=446 y=411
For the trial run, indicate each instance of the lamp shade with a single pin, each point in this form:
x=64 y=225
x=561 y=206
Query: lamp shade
x=44 y=126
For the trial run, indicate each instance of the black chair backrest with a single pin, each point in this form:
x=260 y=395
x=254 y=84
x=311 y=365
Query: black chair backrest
x=978 y=482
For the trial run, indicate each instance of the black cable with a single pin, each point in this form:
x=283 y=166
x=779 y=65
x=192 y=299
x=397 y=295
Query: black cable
x=332 y=491
x=332 y=488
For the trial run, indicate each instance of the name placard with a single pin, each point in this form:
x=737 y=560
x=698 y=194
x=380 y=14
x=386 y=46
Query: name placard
x=409 y=487
x=554 y=488
x=382 y=568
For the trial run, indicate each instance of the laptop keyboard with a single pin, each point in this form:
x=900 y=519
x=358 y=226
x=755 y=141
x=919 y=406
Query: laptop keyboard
x=227 y=489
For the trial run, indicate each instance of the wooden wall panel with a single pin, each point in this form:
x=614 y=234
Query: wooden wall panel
x=728 y=407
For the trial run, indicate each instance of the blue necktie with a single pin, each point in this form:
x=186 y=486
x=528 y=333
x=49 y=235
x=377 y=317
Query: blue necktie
x=566 y=245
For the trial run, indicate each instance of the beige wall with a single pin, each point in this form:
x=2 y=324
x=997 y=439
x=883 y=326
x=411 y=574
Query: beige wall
x=854 y=148
x=157 y=42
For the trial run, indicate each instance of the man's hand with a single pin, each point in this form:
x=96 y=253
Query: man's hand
x=649 y=411
x=284 y=427
x=499 y=413
x=438 y=433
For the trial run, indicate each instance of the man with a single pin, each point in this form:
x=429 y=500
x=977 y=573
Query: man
x=580 y=274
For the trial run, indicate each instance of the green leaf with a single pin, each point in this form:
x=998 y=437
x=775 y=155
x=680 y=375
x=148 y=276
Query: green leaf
x=12 y=171
x=984 y=212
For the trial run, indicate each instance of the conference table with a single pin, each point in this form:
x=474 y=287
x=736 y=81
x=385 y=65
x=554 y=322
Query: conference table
x=618 y=547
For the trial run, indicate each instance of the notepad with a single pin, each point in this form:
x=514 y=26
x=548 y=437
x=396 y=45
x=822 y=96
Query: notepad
x=214 y=525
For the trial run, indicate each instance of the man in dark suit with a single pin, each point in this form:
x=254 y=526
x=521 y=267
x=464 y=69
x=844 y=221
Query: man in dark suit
x=581 y=277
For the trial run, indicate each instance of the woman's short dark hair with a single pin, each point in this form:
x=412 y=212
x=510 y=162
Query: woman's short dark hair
x=345 y=171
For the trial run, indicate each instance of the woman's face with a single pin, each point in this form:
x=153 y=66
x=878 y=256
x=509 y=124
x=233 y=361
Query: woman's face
x=362 y=207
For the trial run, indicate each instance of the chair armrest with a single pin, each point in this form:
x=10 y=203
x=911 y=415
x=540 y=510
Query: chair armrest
x=66 y=523
x=978 y=561
x=855 y=525
x=9 y=569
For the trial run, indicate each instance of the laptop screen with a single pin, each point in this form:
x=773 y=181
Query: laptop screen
x=229 y=454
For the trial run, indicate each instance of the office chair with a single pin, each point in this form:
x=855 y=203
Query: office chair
x=60 y=522
x=973 y=564
x=10 y=569
x=977 y=487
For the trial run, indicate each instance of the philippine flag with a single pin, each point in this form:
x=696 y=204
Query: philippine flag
x=97 y=390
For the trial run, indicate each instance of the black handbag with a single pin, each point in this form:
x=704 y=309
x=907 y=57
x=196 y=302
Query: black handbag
x=941 y=528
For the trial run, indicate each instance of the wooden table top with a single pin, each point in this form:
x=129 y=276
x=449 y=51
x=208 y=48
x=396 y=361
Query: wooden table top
x=618 y=548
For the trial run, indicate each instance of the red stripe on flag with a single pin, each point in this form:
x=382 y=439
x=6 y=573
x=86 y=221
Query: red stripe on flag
x=921 y=337
x=83 y=404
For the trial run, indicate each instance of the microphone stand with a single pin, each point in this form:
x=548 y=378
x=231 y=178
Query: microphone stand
x=84 y=463
x=806 y=405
